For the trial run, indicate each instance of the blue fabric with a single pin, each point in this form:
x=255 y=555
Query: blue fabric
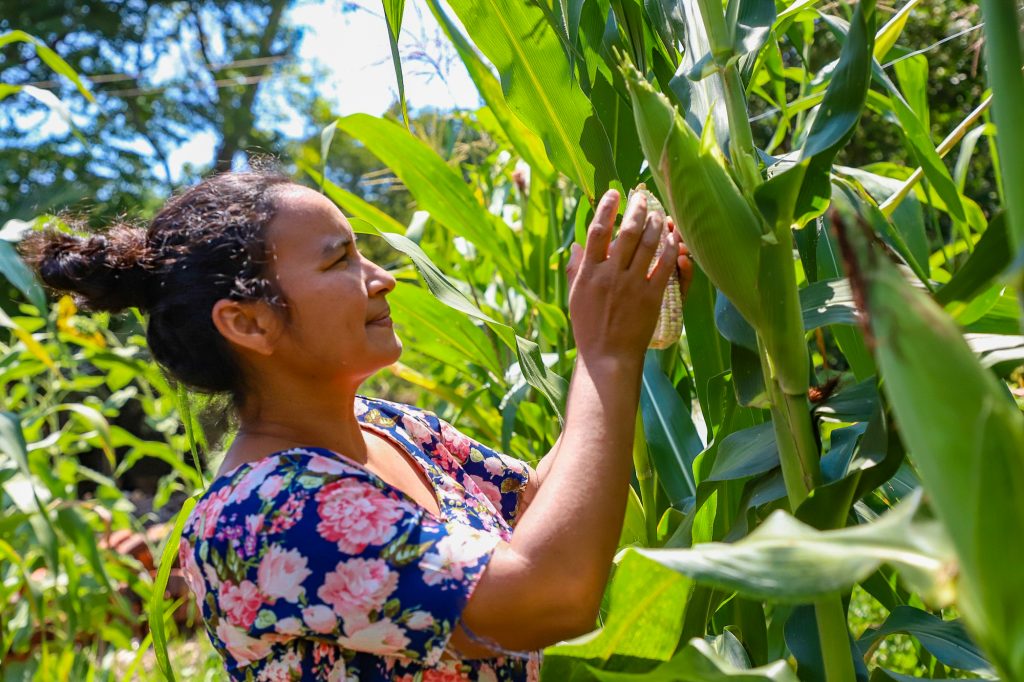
x=308 y=566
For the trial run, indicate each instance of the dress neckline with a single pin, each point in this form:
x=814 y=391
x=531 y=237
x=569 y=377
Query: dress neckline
x=391 y=434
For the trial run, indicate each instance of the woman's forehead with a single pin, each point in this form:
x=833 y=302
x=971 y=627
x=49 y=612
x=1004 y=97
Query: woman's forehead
x=308 y=222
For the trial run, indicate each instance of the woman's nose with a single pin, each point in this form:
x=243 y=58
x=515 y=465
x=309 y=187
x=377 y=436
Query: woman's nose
x=378 y=280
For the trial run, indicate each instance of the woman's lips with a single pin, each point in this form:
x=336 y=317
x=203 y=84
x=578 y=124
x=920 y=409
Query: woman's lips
x=381 y=322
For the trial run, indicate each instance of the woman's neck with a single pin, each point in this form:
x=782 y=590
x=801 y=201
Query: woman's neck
x=276 y=424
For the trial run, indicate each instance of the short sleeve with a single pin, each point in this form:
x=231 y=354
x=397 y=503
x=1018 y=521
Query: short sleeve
x=498 y=475
x=324 y=551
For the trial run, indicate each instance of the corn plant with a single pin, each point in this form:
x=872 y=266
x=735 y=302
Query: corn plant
x=784 y=443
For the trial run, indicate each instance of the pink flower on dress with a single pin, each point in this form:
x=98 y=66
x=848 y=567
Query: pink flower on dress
x=458 y=444
x=491 y=491
x=494 y=466
x=446 y=671
x=486 y=674
x=417 y=430
x=383 y=637
x=320 y=619
x=190 y=569
x=420 y=620
x=355 y=514
x=240 y=602
x=254 y=523
x=318 y=464
x=462 y=549
x=270 y=487
x=288 y=626
x=208 y=512
x=243 y=648
x=281 y=670
x=281 y=573
x=253 y=478
x=358 y=587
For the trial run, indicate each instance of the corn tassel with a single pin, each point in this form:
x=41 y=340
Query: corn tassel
x=670 y=318
x=745 y=259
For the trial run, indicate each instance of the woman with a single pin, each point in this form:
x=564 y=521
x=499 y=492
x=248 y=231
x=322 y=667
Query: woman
x=347 y=537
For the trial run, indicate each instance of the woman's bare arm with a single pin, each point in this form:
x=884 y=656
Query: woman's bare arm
x=547 y=583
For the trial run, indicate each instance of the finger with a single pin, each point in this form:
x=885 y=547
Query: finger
x=633 y=223
x=599 y=234
x=652 y=235
x=665 y=264
x=572 y=268
x=684 y=262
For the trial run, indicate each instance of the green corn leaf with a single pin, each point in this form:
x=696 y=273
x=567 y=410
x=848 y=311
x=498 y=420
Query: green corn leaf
x=887 y=36
x=672 y=439
x=991 y=256
x=538 y=86
x=973 y=464
x=157 y=602
x=12 y=443
x=613 y=110
x=437 y=187
x=946 y=640
x=804 y=642
x=704 y=661
x=753 y=22
x=550 y=385
x=393 y=11
x=525 y=141
x=920 y=140
x=912 y=74
x=784 y=560
x=440 y=331
x=745 y=453
x=801 y=192
x=352 y=205
x=709 y=352
x=645 y=615
x=666 y=19
x=1004 y=64
x=49 y=57
x=18 y=274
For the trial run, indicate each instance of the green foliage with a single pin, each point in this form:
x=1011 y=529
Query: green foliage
x=759 y=507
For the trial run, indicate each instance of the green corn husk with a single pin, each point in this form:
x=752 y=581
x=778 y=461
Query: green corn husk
x=726 y=237
x=964 y=434
x=670 y=318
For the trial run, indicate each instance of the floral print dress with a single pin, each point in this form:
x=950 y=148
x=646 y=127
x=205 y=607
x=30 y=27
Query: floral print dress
x=307 y=566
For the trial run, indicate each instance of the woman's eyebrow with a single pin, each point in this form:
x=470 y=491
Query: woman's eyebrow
x=336 y=244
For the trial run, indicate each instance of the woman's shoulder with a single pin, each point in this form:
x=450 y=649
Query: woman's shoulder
x=280 y=480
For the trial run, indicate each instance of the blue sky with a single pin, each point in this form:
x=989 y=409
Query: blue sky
x=354 y=47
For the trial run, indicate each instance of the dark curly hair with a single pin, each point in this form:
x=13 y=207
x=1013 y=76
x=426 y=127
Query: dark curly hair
x=205 y=244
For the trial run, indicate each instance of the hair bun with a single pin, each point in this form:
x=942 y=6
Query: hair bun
x=110 y=271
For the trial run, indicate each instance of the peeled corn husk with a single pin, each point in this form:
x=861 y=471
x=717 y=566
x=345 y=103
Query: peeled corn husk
x=670 y=318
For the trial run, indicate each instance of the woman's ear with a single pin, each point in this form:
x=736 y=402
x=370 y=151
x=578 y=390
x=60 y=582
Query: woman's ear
x=249 y=325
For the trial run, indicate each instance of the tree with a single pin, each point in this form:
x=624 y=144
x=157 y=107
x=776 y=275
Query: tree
x=162 y=72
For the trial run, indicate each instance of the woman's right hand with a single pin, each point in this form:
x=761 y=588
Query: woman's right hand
x=613 y=303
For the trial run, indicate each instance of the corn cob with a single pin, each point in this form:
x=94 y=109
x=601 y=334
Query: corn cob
x=741 y=255
x=670 y=318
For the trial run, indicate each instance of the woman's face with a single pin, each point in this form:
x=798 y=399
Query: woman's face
x=340 y=326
